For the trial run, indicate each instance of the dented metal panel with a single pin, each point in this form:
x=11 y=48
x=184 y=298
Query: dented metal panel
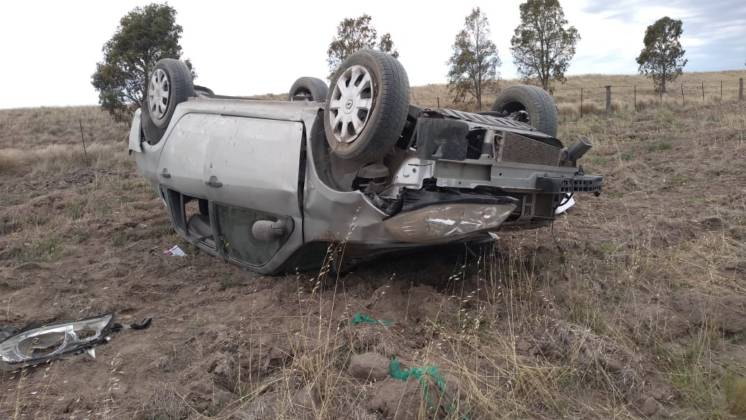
x=253 y=163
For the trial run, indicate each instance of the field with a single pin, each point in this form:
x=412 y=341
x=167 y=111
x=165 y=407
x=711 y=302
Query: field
x=631 y=305
x=626 y=91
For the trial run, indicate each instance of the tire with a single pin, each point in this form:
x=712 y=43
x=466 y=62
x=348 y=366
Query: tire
x=169 y=84
x=534 y=101
x=309 y=89
x=367 y=107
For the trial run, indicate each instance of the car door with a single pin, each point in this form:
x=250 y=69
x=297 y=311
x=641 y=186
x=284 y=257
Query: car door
x=181 y=166
x=252 y=171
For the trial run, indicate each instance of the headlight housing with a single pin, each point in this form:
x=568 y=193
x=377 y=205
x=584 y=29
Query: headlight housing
x=38 y=345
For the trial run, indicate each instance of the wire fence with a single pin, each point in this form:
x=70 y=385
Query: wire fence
x=611 y=98
x=578 y=101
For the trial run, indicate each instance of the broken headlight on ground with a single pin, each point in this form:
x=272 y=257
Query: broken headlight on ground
x=41 y=344
x=446 y=222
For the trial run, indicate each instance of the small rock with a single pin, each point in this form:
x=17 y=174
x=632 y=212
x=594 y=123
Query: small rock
x=613 y=364
x=712 y=223
x=649 y=407
x=224 y=370
x=369 y=366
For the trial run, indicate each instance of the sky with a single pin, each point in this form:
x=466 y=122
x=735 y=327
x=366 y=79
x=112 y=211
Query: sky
x=49 y=49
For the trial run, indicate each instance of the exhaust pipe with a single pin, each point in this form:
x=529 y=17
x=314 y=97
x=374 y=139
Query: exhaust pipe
x=578 y=149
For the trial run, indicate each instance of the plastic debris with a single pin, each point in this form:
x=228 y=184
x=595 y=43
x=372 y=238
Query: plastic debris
x=421 y=375
x=367 y=319
x=175 y=251
x=569 y=202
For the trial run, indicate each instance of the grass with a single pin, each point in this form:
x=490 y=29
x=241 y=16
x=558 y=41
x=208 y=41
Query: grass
x=567 y=95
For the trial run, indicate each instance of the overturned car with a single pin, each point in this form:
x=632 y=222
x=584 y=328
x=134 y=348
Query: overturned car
x=269 y=185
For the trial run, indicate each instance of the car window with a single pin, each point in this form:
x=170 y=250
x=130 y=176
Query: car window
x=234 y=229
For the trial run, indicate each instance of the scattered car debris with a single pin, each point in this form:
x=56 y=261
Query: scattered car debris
x=359 y=318
x=142 y=325
x=568 y=202
x=175 y=251
x=36 y=345
x=430 y=379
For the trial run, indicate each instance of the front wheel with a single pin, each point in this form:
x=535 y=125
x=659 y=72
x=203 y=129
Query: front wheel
x=367 y=108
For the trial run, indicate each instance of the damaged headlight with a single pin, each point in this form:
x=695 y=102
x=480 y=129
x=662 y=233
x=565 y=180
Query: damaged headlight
x=446 y=222
x=38 y=345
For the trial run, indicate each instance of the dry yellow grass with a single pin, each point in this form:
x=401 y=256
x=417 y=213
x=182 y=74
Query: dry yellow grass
x=567 y=95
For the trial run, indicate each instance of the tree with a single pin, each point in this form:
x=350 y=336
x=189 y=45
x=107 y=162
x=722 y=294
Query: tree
x=542 y=44
x=354 y=34
x=144 y=36
x=662 y=58
x=473 y=65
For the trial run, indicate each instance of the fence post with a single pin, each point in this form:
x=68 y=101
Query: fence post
x=437 y=98
x=581 y=102
x=721 y=91
x=740 y=89
x=608 y=99
x=82 y=140
x=635 y=97
x=682 y=95
x=703 y=91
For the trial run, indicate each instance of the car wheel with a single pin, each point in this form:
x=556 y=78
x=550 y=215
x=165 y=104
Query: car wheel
x=308 y=89
x=529 y=104
x=367 y=107
x=169 y=84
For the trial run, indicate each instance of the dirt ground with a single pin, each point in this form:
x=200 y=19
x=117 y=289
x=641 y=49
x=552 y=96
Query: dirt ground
x=631 y=305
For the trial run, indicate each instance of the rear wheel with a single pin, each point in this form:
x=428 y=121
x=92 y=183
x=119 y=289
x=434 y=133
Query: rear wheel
x=367 y=107
x=529 y=104
x=169 y=84
x=308 y=89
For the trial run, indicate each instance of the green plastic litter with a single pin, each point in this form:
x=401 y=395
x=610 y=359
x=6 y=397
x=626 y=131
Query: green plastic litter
x=421 y=373
x=418 y=373
x=367 y=319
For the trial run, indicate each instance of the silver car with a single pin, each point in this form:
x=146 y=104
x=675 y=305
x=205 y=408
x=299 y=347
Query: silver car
x=269 y=185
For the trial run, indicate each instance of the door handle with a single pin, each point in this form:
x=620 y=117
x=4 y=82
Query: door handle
x=165 y=174
x=213 y=182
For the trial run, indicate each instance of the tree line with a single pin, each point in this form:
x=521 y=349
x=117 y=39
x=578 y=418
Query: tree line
x=543 y=46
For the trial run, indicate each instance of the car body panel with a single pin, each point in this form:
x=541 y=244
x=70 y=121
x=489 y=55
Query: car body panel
x=237 y=159
x=182 y=161
x=263 y=157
